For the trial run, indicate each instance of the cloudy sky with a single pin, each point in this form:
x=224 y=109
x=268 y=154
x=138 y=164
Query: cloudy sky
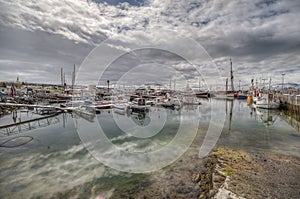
x=151 y=40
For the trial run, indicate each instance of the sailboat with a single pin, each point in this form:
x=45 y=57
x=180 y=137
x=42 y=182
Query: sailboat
x=202 y=93
x=228 y=94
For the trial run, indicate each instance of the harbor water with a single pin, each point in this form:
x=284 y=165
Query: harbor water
x=51 y=159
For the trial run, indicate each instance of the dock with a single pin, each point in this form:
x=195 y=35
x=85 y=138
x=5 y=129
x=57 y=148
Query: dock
x=11 y=129
x=292 y=102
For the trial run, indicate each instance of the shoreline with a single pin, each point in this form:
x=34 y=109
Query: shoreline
x=231 y=173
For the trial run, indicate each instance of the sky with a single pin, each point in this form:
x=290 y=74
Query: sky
x=132 y=41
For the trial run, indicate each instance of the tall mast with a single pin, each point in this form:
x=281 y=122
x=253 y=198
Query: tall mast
x=62 y=77
x=226 y=84
x=231 y=74
x=73 y=79
x=64 y=80
x=174 y=84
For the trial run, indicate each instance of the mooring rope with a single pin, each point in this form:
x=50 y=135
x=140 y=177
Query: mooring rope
x=13 y=146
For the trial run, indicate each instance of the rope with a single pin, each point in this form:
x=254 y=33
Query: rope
x=13 y=146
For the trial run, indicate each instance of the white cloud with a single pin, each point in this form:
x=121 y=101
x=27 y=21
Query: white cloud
x=256 y=34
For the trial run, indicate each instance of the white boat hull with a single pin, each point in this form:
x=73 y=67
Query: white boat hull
x=272 y=105
x=224 y=96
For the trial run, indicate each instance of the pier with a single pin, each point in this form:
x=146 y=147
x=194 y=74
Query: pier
x=11 y=129
x=292 y=102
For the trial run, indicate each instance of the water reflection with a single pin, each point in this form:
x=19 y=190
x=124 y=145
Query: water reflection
x=230 y=102
x=55 y=161
x=293 y=118
x=267 y=116
x=263 y=129
x=141 y=119
x=14 y=116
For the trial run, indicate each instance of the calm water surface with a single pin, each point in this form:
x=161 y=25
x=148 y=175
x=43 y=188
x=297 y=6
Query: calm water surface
x=54 y=162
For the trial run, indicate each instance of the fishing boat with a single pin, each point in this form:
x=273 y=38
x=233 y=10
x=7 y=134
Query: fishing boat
x=170 y=102
x=267 y=101
x=139 y=105
x=120 y=108
x=106 y=102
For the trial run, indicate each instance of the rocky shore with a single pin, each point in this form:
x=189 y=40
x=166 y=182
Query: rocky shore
x=233 y=174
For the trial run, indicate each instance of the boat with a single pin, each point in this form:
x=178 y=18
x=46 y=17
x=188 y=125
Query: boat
x=86 y=112
x=103 y=104
x=202 y=94
x=267 y=101
x=139 y=105
x=224 y=95
x=76 y=102
x=121 y=108
x=170 y=102
x=63 y=96
x=241 y=96
x=228 y=94
x=46 y=110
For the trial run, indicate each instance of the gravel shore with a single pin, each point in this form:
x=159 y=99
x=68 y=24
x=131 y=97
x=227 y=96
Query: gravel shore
x=240 y=174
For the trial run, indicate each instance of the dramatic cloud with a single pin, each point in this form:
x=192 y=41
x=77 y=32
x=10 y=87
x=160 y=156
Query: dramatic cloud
x=261 y=36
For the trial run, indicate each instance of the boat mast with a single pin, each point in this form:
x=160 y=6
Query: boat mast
x=174 y=84
x=226 y=85
x=65 y=84
x=61 y=76
x=73 y=79
x=231 y=76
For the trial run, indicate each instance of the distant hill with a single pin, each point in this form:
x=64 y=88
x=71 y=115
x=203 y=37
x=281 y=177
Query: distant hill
x=288 y=85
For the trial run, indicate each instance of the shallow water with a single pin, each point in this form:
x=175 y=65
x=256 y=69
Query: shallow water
x=62 y=159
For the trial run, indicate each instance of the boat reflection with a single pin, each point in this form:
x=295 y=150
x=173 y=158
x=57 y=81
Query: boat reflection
x=267 y=116
x=140 y=118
